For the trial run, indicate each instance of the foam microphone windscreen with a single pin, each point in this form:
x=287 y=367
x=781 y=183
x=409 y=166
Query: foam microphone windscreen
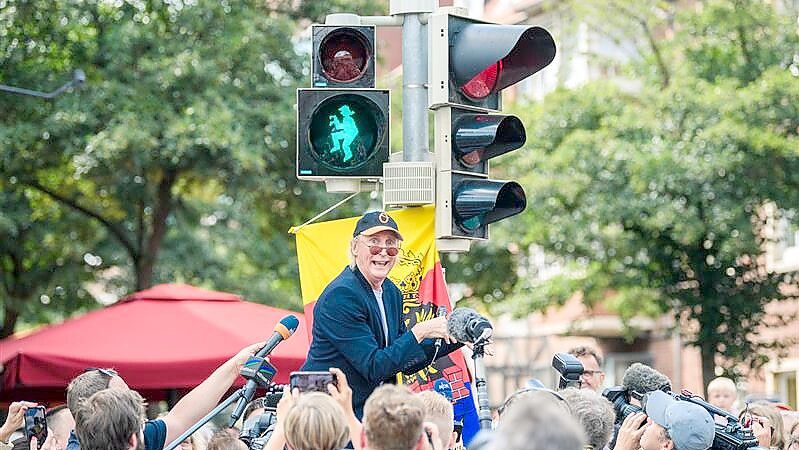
x=642 y=379
x=458 y=323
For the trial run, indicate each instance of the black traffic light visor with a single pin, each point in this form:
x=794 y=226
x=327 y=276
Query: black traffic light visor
x=523 y=51
x=481 y=202
x=480 y=137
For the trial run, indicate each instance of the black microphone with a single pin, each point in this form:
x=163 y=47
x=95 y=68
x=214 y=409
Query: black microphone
x=283 y=330
x=440 y=312
x=466 y=325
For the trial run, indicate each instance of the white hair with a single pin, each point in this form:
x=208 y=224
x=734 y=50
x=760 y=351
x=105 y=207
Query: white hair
x=351 y=252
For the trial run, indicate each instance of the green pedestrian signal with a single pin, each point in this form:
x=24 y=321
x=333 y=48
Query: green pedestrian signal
x=341 y=133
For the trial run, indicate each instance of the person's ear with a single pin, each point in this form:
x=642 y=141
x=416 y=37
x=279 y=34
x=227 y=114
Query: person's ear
x=420 y=444
x=133 y=441
x=453 y=439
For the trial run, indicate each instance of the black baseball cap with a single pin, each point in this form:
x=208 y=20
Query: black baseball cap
x=375 y=222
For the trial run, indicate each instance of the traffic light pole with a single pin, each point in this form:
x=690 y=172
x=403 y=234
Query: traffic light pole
x=415 y=131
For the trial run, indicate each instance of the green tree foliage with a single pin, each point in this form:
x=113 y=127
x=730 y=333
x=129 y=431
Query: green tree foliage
x=177 y=158
x=653 y=198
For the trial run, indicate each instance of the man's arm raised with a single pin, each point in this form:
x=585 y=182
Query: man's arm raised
x=202 y=399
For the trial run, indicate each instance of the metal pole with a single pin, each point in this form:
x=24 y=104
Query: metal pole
x=229 y=401
x=78 y=78
x=415 y=130
x=484 y=410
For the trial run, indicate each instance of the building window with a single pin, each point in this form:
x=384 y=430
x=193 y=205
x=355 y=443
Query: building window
x=785 y=387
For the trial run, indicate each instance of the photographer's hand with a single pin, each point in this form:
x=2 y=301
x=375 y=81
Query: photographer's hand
x=15 y=419
x=286 y=403
x=629 y=437
x=49 y=442
x=343 y=396
x=278 y=439
x=761 y=428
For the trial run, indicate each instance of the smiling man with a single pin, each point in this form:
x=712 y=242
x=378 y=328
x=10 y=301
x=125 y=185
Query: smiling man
x=358 y=325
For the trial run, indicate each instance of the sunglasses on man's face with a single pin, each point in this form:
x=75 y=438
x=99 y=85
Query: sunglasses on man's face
x=375 y=250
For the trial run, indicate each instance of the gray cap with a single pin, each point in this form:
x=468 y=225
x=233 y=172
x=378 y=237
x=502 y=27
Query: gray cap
x=690 y=426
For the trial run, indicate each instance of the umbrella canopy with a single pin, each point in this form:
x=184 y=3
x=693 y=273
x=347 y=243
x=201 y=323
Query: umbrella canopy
x=171 y=336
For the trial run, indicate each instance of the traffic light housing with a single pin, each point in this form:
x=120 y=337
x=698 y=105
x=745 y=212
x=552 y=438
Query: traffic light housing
x=471 y=62
x=343 y=56
x=342 y=133
x=342 y=122
x=466 y=199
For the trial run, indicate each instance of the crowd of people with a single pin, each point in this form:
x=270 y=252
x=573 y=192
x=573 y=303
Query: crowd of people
x=103 y=413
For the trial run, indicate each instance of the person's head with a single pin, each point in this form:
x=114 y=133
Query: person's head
x=721 y=392
x=392 y=419
x=111 y=419
x=533 y=425
x=766 y=416
x=223 y=440
x=90 y=381
x=532 y=395
x=438 y=410
x=593 y=376
x=676 y=425
x=316 y=422
x=60 y=423
x=375 y=232
x=793 y=436
x=594 y=412
x=199 y=439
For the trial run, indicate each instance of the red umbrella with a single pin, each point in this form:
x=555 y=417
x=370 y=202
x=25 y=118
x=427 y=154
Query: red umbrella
x=171 y=336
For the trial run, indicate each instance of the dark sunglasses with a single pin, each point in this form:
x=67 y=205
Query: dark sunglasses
x=110 y=373
x=376 y=249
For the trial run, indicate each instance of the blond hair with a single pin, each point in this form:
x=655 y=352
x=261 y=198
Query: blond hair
x=316 y=422
x=392 y=418
x=722 y=383
x=438 y=410
x=773 y=415
x=351 y=251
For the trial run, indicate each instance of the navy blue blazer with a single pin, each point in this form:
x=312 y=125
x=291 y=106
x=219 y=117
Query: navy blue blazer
x=348 y=334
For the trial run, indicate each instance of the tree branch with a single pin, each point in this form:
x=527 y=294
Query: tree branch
x=114 y=228
x=650 y=38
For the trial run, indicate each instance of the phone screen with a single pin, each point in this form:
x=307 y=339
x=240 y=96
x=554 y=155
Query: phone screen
x=311 y=381
x=36 y=425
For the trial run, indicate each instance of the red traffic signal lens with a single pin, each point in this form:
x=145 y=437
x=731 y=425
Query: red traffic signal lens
x=344 y=54
x=483 y=84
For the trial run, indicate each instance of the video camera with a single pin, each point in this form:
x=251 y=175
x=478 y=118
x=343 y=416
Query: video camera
x=256 y=430
x=732 y=436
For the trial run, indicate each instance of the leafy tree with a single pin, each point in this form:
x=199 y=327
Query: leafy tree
x=42 y=254
x=180 y=147
x=653 y=198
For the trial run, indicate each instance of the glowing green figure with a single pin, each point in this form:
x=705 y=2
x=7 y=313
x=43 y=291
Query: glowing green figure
x=344 y=132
